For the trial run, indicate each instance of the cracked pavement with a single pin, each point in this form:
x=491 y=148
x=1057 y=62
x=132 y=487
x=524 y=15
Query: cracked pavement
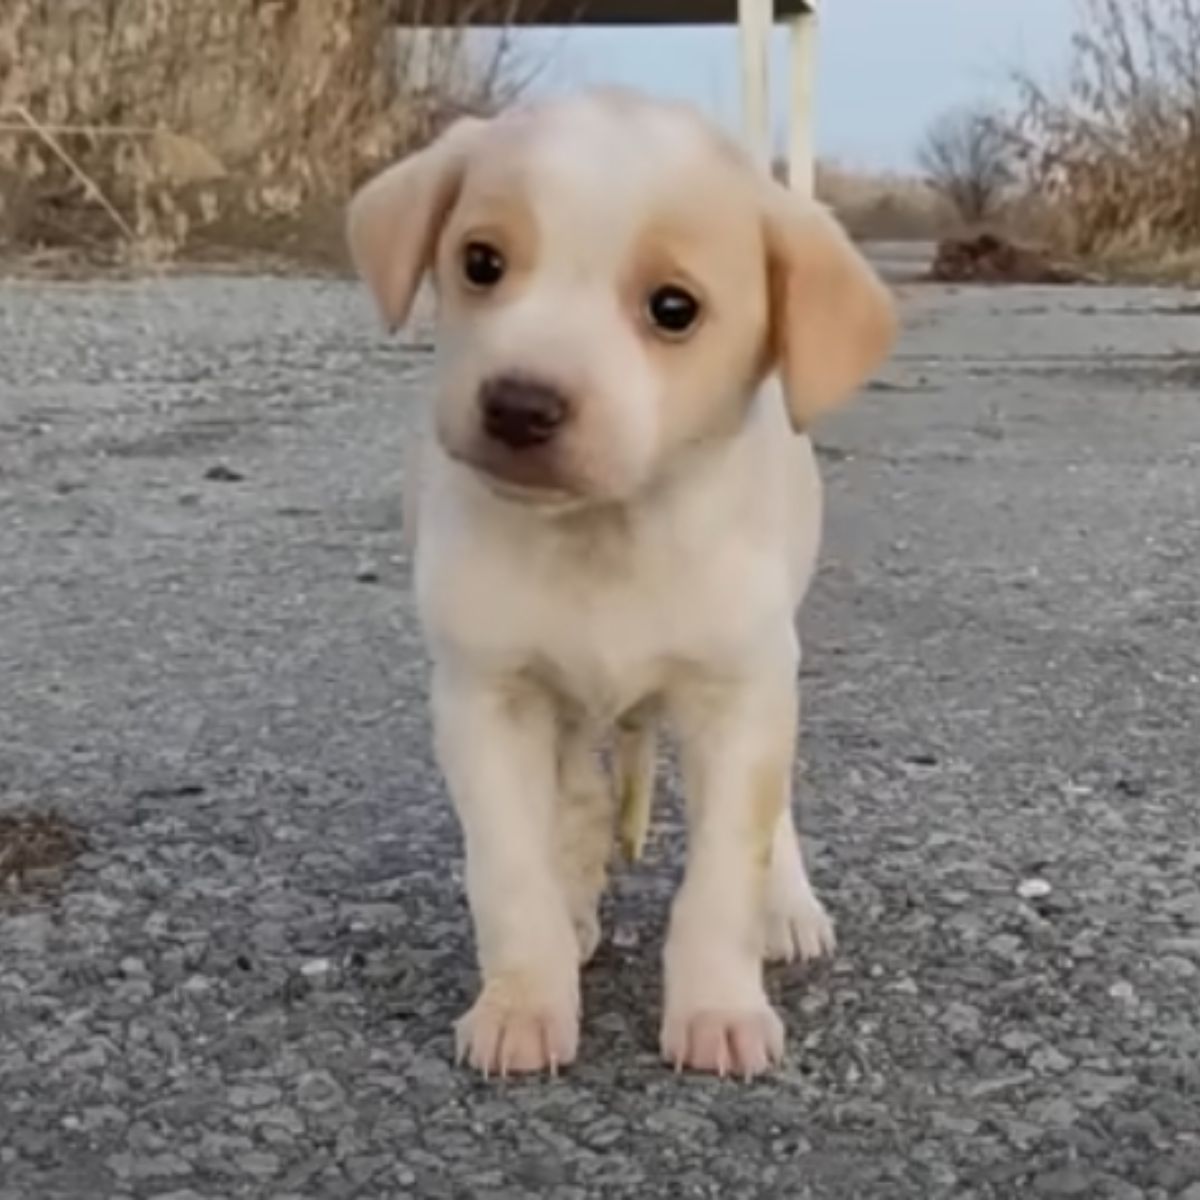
x=245 y=986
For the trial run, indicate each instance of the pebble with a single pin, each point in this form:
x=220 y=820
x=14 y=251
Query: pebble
x=1058 y=1113
x=1033 y=889
x=962 y=1019
x=260 y=1163
x=1047 y=1060
x=255 y=1095
x=319 y=1091
x=1180 y=968
x=1186 y=947
x=1069 y=1181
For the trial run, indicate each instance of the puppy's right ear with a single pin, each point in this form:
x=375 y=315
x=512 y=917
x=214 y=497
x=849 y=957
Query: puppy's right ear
x=393 y=220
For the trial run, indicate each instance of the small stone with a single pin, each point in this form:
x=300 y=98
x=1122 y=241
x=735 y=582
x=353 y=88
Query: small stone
x=121 y=1165
x=260 y=1163
x=1180 y=968
x=1139 y=1124
x=220 y=473
x=1059 y=1113
x=1119 y=1189
x=362 y=1168
x=1047 y=1060
x=605 y=1132
x=1033 y=889
x=159 y=1166
x=1185 y=947
x=1123 y=990
x=963 y=1126
x=1005 y=945
x=962 y=1019
x=319 y=1091
x=1069 y=1181
x=279 y=1127
x=1019 y=1042
x=255 y=1095
x=367 y=575
x=317 y=969
x=1023 y=1133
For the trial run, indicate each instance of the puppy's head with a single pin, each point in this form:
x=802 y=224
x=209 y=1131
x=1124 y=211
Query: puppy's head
x=614 y=280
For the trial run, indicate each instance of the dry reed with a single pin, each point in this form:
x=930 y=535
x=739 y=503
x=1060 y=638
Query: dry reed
x=140 y=129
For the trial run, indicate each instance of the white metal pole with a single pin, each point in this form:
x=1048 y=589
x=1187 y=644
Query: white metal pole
x=802 y=44
x=755 y=18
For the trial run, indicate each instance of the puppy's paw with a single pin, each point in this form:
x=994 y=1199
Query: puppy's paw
x=515 y=1027
x=734 y=1041
x=587 y=931
x=797 y=925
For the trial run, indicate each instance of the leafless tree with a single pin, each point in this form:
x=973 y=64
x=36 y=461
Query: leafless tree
x=966 y=157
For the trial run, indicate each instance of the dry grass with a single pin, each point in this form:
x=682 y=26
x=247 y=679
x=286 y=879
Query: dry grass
x=883 y=207
x=139 y=130
x=1115 y=155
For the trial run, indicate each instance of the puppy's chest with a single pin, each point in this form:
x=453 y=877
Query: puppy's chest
x=603 y=624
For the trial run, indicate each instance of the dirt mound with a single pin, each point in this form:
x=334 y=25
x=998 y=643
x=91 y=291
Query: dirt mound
x=36 y=849
x=989 y=258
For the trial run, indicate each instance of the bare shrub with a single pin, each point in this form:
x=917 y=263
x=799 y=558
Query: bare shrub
x=142 y=127
x=965 y=157
x=882 y=206
x=1116 y=153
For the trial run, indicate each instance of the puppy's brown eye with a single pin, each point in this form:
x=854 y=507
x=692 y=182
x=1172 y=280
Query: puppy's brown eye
x=672 y=310
x=482 y=264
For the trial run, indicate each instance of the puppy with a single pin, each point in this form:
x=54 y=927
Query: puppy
x=615 y=512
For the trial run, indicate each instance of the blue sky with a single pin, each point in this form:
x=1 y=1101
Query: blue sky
x=886 y=68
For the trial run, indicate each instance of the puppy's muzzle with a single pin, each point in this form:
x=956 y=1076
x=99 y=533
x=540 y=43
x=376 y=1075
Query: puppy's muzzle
x=520 y=412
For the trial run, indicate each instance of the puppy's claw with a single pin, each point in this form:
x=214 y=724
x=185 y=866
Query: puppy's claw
x=507 y=1035
x=798 y=927
x=745 y=1042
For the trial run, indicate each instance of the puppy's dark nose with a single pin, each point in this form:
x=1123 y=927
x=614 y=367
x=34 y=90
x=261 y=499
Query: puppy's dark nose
x=521 y=412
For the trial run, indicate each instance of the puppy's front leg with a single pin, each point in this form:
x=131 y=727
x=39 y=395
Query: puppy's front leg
x=496 y=745
x=737 y=738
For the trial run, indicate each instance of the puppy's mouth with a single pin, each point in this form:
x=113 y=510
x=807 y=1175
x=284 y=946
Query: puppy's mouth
x=534 y=478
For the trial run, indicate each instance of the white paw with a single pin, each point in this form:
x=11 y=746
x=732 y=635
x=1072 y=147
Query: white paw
x=732 y=1041
x=587 y=931
x=516 y=1027
x=798 y=927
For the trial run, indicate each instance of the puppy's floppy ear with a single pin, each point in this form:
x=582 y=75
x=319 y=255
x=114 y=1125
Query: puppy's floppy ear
x=393 y=220
x=833 y=321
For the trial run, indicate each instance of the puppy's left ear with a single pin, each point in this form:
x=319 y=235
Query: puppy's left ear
x=393 y=220
x=833 y=320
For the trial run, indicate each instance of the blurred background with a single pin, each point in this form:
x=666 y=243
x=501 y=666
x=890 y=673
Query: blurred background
x=150 y=131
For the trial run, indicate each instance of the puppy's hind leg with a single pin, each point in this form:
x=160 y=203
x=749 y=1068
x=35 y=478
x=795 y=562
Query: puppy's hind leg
x=586 y=819
x=797 y=924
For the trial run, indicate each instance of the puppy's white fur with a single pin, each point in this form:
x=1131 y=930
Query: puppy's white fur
x=643 y=567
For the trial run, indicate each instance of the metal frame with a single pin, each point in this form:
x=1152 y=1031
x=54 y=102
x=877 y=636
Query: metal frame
x=755 y=21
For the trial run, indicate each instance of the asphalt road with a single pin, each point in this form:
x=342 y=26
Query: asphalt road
x=246 y=986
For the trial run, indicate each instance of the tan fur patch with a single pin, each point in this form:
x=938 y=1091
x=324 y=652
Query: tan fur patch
x=768 y=795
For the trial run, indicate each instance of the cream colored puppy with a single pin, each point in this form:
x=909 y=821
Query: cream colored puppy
x=616 y=515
